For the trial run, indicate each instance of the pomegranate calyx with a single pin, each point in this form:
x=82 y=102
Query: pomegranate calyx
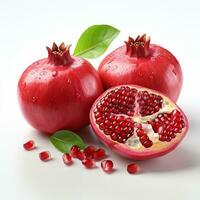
x=138 y=47
x=59 y=55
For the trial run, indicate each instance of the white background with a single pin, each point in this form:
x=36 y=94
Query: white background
x=26 y=27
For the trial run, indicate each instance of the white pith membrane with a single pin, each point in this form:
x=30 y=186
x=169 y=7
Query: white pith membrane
x=134 y=141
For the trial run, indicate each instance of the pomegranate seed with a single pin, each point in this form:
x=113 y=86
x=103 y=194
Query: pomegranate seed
x=88 y=163
x=99 y=154
x=143 y=138
x=30 y=145
x=140 y=133
x=81 y=155
x=149 y=103
x=167 y=125
x=147 y=143
x=114 y=136
x=133 y=168
x=74 y=151
x=107 y=166
x=45 y=156
x=67 y=159
x=89 y=151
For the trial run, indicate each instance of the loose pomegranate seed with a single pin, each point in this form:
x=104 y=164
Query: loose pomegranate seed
x=133 y=168
x=99 y=154
x=89 y=151
x=67 y=159
x=74 y=151
x=88 y=163
x=107 y=166
x=81 y=155
x=45 y=156
x=30 y=145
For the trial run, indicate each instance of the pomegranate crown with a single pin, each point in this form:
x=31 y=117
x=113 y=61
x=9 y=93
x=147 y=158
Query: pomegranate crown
x=138 y=47
x=59 y=55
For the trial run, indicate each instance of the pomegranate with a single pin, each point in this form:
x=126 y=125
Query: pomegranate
x=137 y=122
x=57 y=92
x=141 y=63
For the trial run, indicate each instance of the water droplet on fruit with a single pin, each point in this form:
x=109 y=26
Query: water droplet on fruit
x=151 y=75
x=23 y=84
x=68 y=81
x=34 y=99
x=174 y=71
x=114 y=67
x=78 y=95
x=36 y=63
x=42 y=73
x=54 y=73
x=140 y=74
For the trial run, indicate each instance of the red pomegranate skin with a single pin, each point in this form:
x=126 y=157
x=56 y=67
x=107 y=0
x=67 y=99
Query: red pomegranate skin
x=159 y=70
x=57 y=94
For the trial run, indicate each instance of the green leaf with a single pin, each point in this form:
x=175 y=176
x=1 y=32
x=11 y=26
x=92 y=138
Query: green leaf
x=95 y=40
x=63 y=140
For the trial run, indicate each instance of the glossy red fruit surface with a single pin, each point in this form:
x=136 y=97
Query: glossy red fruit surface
x=141 y=63
x=57 y=92
x=137 y=122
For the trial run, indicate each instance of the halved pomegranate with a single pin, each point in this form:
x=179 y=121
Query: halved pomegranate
x=137 y=122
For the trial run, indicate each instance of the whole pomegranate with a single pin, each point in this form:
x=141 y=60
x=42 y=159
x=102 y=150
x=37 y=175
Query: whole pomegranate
x=137 y=122
x=141 y=63
x=57 y=92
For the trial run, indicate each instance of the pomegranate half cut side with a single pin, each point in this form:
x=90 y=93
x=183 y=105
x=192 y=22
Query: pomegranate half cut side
x=137 y=122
